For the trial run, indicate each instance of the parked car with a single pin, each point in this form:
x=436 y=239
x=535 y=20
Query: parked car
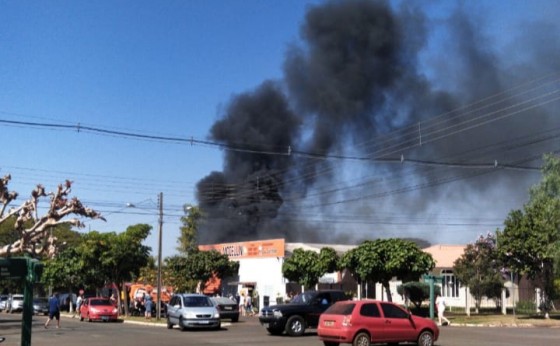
x=300 y=313
x=370 y=321
x=3 y=301
x=228 y=308
x=98 y=309
x=41 y=306
x=14 y=303
x=192 y=311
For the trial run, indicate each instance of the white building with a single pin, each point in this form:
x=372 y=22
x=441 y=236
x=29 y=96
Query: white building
x=260 y=272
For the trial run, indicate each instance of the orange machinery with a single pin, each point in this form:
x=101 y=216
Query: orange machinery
x=137 y=292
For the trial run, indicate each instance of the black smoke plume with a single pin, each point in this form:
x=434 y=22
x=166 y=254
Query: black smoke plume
x=366 y=83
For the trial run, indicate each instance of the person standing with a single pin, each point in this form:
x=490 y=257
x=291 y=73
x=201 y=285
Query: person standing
x=242 y=303
x=148 y=306
x=440 y=305
x=78 y=305
x=54 y=311
x=248 y=305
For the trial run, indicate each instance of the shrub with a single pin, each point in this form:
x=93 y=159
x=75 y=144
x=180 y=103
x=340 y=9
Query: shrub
x=525 y=307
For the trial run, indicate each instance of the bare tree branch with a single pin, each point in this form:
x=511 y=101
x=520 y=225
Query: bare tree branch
x=36 y=239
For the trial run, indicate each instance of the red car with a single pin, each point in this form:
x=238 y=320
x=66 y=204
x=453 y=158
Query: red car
x=362 y=322
x=98 y=309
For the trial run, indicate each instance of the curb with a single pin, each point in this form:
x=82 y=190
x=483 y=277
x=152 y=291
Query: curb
x=143 y=323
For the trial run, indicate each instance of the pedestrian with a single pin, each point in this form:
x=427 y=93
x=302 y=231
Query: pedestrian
x=248 y=306
x=242 y=303
x=78 y=304
x=148 y=306
x=440 y=305
x=54 y=310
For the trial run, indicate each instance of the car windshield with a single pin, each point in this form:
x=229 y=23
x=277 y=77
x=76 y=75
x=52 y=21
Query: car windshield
x=223 y=301
x=17 y=298
x=99 y=302
x=197 y=301
x=40 y=300
x=303 y=298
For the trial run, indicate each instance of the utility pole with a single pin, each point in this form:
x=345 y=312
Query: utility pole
x=158 y=306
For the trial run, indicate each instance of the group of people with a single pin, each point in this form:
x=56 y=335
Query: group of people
x=245 y=305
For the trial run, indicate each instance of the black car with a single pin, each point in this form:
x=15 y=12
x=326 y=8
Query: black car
x=228 y=308
x=301 y=313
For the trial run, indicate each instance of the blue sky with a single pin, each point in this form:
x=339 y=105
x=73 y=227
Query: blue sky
x=166 y=68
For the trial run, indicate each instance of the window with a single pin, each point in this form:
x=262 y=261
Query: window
x=370 y=310
x=322 y=299
x=449 y=284
x=341 y=309
x=393 y=311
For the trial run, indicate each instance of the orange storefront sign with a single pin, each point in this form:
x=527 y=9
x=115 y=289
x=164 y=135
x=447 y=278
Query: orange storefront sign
x=249 y=249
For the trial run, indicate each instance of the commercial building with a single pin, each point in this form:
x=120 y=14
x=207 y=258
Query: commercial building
x=260 y=274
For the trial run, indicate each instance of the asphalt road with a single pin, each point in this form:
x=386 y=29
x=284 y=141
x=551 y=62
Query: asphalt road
x=246 y=332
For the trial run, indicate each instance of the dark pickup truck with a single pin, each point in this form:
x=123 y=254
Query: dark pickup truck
x=301 y=313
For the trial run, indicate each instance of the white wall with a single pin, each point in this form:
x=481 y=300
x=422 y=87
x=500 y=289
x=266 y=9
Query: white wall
x=267 y=274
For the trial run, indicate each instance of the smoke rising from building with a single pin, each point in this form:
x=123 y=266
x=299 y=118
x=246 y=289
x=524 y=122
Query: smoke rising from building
x=366 y=83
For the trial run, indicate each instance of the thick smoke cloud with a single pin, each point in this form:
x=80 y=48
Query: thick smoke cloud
x=365 y=82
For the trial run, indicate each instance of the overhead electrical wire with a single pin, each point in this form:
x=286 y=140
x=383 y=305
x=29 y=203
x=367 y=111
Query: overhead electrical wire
x=428 y=128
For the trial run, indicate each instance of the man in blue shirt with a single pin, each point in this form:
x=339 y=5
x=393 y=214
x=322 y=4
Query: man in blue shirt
x=54 y=310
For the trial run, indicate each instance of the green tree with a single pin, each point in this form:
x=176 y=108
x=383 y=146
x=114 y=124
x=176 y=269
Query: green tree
x=529 y=242
x=200 y=267
x=92 y=250
x=8 y=233
x=189 y=229
x=480 y=270
x=177 y=274
x=66 y=236
x=65 y=270
x=126 y=254
x=383 y=259
x=306 y=267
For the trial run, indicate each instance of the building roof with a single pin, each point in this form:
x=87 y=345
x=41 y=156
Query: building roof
x=445 y=255
x=340 y=249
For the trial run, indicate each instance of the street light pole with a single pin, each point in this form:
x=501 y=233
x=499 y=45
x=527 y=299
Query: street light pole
x=158 y=306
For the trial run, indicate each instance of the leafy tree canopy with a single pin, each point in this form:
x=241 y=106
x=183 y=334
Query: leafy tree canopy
x=306 y=267
x=480 y=269
x=383 y=259
x=200 y=266
x=189 y=229
x=528 y=244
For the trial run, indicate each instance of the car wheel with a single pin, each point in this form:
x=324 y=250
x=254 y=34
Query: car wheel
x=295 y=326
x=89 y=318
x=81 y=318
x=235 y=319
x=181 y=325
x=425 y=338
x=330 y=343
x=274 y=331
x=361 y=339
x=169 y=324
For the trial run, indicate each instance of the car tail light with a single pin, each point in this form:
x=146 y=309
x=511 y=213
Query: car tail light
x=347 y=321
